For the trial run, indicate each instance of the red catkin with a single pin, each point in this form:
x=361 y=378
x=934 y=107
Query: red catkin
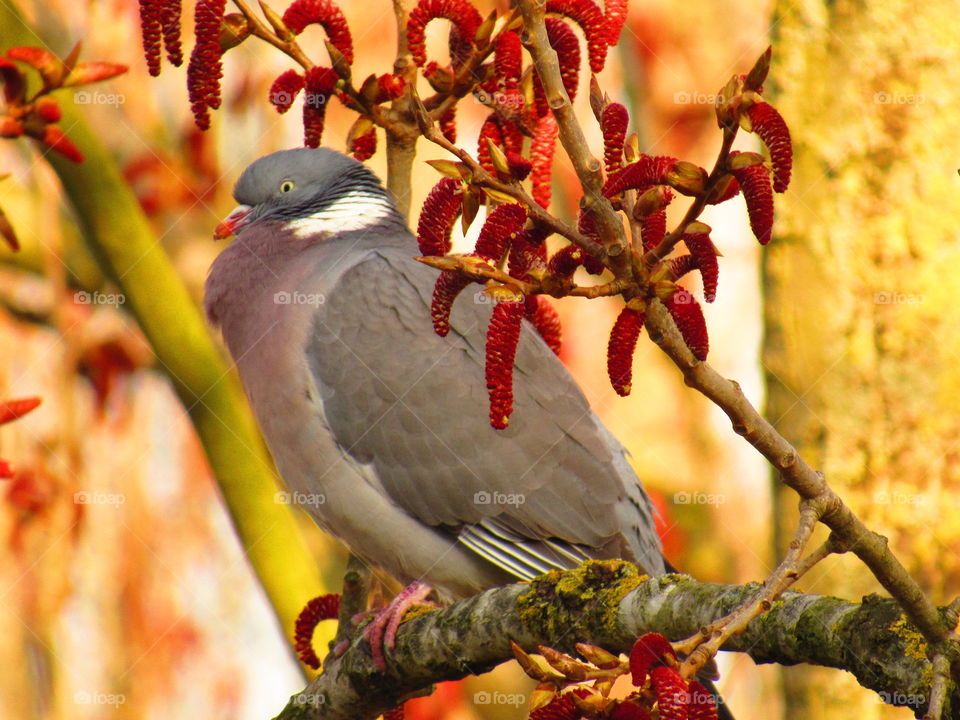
x=680 y=266
x=151 y=33
x=620 y=348
x=465 y=18
x=588 y=16
x=506 y=60
x=499 y=229
x=528 y=252
x=754 y=181
x=503 y=334
x=448 y=286
x=545 y=319
x=671 y=691
x=565 y=261
x=615 y=14
x=769 y=125
x=319 y=84
x=705 y=257
x=653 y=228
x=440 y=209
x=170 y=24
x=688 y=316
x=646 y=171
x=284 y=90
x=323 y=607
x=520 y=166
x=302 y=13
x=541 y=155
x=389 y=87
x=561 y=707
x=647 y=651
x=362 y=147
x=613 y=125
x=627 y=710
x=703 y=703
x=205 y=68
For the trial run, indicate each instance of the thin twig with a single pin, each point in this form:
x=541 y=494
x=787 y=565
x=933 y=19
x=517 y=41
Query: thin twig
x=938 y=687
x=480 y=271
x=849 y=530
x=870 y=547
x=663 y=249
x=587 y=167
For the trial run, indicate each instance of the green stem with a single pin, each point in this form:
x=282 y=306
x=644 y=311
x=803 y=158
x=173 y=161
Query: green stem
x=128 y=251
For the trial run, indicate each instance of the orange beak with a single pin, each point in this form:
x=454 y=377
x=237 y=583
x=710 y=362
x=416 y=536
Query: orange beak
x=233 y=223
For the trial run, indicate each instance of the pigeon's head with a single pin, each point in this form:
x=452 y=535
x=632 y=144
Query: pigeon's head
x=309 y=191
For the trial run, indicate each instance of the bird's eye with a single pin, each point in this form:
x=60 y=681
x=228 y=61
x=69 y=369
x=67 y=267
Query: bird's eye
x=286 y=186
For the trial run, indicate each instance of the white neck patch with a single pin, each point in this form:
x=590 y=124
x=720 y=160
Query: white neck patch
x=354 y=211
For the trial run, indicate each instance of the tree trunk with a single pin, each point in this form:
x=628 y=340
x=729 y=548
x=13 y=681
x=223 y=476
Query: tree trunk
x=861 y=351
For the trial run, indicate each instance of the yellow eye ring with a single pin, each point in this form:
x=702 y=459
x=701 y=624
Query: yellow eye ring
x=286 y=186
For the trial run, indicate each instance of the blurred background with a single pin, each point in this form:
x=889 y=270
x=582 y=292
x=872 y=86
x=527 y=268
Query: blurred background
x=124 y=590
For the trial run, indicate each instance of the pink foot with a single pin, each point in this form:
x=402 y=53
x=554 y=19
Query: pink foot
x=382 y=632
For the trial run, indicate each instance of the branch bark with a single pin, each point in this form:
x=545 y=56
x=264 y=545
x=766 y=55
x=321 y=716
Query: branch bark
x=610 y=604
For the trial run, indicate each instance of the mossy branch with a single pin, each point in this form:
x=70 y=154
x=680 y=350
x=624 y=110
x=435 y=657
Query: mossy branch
x=610 y=604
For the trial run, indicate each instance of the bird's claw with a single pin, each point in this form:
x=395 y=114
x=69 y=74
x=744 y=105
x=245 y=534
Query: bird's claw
x=381 y=633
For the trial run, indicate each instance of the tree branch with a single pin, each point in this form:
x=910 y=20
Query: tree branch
x=609 y=603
